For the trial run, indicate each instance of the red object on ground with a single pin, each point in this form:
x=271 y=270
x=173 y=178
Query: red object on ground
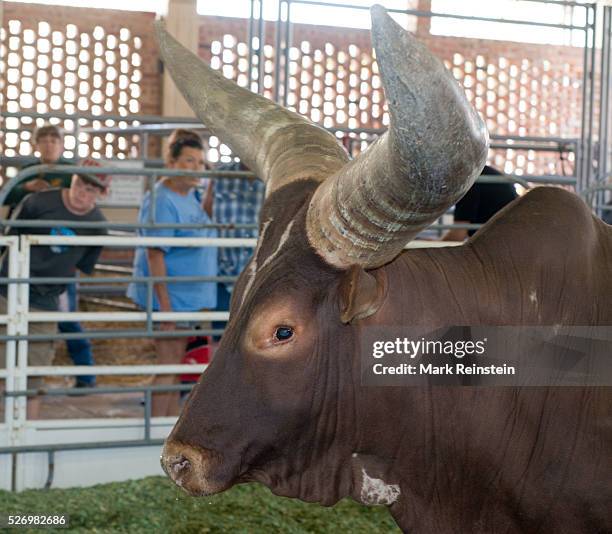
x=198 y=353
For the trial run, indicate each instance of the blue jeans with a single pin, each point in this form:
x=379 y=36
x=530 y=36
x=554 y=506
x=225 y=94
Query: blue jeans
x=79 y=350
x=223 y=304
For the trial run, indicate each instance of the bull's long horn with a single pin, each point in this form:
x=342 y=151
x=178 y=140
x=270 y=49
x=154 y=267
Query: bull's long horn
x=275 y=143
x=434 y=149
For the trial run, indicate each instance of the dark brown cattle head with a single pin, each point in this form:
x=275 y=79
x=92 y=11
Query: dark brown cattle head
x=275 y=404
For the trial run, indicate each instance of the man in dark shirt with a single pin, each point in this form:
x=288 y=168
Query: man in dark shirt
x=77 y=203
x=480 y=203
x=49 y=143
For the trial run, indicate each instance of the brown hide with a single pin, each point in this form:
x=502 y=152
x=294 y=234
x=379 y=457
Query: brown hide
x=501 y=459
x=294 y=416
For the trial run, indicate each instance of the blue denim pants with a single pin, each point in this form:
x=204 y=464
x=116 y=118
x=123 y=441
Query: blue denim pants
x=79 y=350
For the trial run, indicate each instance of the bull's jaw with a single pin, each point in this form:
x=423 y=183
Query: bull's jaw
x=197 y=471
x=325 y=483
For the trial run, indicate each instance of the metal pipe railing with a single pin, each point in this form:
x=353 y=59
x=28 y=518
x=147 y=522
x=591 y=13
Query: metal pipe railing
x=36 y=170
x=430 y=14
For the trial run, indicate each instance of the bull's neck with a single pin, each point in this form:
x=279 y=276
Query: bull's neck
x=427 y=290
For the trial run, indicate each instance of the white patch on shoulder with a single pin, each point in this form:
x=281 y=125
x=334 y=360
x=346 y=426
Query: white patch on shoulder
x=533 y=296
x=377 y=491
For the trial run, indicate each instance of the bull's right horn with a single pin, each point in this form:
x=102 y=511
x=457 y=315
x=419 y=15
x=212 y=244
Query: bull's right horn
x=435 y=148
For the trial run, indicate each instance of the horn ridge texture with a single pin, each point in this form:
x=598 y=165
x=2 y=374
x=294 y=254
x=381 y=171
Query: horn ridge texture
x=434 y=149
x=278 y=145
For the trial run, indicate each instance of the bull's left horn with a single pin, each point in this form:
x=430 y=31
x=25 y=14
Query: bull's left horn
x=435 y=148
x=278 y=145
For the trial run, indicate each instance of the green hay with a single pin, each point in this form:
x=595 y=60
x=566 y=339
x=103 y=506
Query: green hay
x=154 y=505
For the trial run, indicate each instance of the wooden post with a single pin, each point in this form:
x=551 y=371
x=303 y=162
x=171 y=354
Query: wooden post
x=424 y=23
x=182 y=22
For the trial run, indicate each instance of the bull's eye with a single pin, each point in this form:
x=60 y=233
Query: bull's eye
x=283 y=333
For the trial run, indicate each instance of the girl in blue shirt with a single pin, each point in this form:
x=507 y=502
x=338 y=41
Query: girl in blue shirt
x=177 y=201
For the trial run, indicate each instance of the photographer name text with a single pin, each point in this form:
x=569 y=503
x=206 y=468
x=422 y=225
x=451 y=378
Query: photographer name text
x=422 y=348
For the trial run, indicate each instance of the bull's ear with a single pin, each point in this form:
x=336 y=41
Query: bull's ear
x=361 y=293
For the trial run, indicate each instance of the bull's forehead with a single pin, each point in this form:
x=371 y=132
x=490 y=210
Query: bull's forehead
x=258 y=262
x=283 y=255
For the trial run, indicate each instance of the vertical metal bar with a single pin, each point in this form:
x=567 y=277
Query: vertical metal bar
x=153 y=197
x=581 y=157
x=77 y=135
x=21 y=314
x=260 y=51
x=50 y=469
x=278 y=27
x=287 y=52
x=11 y=353
x=147 y=415
x=11 y=330
x=602 y=67
x=605 y=82
x=250 y=38
x=606 y=194
x=14 y=472
x=149 y=309
x=602 y=155
x=142 y=145
x=592 y=100
x=152 y=214
x=22 y=309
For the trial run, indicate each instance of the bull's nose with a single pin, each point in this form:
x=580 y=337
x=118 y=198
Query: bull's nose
x=176 y=462
x=184 y=465
x=194 y=469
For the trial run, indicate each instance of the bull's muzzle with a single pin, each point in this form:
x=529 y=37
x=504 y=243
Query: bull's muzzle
x=192 y=468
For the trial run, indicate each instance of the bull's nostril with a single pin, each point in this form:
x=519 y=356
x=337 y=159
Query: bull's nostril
x=178 y=464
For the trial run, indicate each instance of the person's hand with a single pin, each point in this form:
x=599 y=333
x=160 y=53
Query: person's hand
x=35 y=185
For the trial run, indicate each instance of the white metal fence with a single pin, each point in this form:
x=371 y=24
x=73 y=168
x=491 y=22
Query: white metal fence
x=16 y=431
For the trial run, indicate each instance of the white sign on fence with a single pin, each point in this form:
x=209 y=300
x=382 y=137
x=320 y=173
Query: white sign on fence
x=126 y=190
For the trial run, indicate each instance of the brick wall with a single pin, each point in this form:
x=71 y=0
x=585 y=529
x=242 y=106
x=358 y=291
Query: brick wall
x=78 y=60
x=519 y=89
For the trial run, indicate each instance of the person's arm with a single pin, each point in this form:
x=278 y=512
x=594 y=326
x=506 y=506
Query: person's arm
x=165 y=212
x=157 y=267
x=22 y=189
x=207 y=203
x=33 y=186
x=88 y=261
